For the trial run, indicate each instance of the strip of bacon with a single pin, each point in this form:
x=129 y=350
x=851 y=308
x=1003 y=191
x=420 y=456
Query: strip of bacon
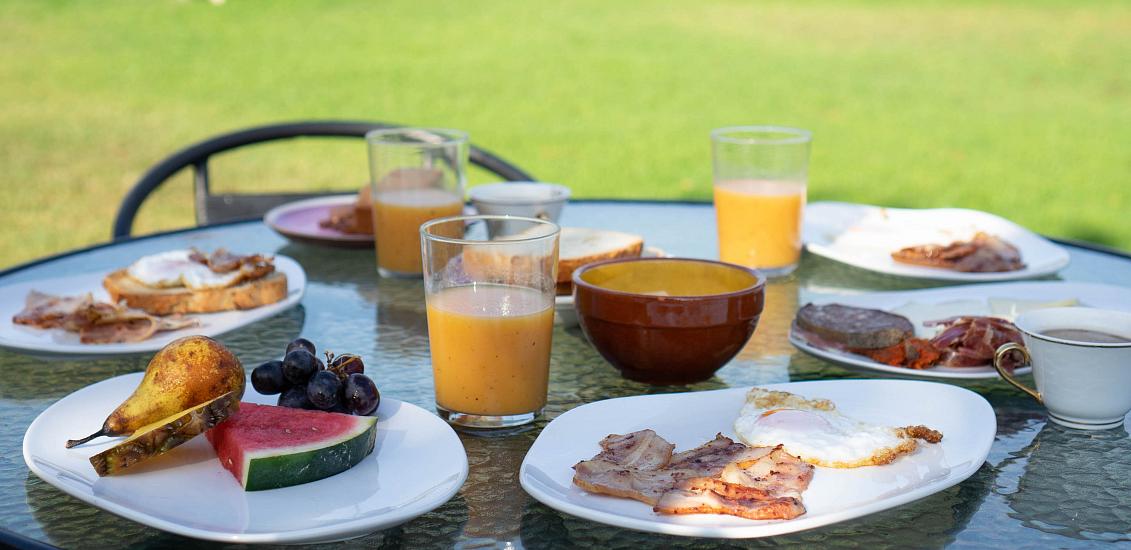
x=251 y=266
x=680 y=501
x=983 y=253
x=720 y=476
x=95 y=322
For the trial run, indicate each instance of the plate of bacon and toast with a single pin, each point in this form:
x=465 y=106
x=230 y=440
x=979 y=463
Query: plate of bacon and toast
x=758 y=462
x=943 y=333
x=945 y=244
x=147 y=304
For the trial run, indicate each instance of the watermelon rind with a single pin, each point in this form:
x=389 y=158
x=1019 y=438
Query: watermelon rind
x=283 y=467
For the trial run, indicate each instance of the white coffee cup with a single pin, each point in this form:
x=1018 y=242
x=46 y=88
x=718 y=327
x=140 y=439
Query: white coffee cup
x=521 y=198
x=1084 y=384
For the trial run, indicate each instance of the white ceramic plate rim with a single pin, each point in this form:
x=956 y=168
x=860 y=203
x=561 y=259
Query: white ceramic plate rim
x=445 y=489
x=271 y=218
x=985 y=432
x=1042 y=256
x=11 y=335
x=1089 y=295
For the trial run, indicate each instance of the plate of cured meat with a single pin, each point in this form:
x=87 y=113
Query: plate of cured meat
x=147 y=304
x=762 y=461
x=949 y=332
x=948 y=244
x=337 y=220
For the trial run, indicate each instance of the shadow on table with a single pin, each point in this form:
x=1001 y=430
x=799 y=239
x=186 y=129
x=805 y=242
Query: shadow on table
x=1073 y=482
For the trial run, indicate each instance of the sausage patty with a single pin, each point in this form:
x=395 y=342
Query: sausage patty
x=855 y=327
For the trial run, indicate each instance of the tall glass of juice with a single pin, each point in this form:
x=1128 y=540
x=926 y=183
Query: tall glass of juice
x=761 y=175
x=489 y=289
x=417 y=175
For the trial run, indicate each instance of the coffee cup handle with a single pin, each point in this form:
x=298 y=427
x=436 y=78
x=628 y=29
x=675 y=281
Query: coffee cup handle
x=1000 y=354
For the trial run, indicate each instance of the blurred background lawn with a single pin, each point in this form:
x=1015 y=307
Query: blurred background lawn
x=1021 y=108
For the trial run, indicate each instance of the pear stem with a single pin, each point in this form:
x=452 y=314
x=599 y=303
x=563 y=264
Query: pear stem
x=75 y=442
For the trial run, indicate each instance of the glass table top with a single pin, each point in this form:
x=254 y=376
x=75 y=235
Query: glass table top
x=1041 y=486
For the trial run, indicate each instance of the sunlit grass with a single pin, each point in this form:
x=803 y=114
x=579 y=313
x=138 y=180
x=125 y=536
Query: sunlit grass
x=1019 y=108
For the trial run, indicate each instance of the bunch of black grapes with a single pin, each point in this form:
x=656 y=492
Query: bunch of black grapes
x=303 y=381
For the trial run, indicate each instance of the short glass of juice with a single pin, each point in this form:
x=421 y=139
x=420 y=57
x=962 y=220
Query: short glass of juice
x=416 y=175
x=760 y=180
x=489 y=289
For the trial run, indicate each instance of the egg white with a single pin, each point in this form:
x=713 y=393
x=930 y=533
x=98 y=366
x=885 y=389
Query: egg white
x=175 y=268
x=817 y=433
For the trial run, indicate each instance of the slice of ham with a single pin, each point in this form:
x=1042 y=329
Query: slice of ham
x=720 y=476
x=972 y=341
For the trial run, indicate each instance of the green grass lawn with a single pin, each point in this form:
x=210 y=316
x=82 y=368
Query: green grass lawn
x=1021 y=108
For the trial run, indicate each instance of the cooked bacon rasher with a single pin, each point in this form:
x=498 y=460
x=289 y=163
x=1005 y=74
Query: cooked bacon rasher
x=984 y=253
x=95 y=322
x=719 y=477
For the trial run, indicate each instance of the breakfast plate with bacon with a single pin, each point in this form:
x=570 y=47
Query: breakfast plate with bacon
x=149 y=303
x=762 y=461
x=949 y=244
x=949 y=332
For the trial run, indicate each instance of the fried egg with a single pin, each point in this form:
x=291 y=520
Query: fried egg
x=813 y=430
x=175 y=268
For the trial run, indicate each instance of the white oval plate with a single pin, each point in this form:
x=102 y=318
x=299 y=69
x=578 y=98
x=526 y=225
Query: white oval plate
x=417 y=465
x=865 y=236
x=59 y=341
x=959 y=300
x=965 y=418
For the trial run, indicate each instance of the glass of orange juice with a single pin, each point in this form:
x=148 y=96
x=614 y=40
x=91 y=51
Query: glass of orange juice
x=416 y=175
x=761 y=174
x=489 y=290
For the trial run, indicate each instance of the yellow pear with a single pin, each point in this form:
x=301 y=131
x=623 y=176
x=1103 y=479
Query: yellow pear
x=185 y=373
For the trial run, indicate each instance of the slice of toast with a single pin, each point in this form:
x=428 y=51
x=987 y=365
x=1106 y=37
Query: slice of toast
x=579 y=246
x=164 y=301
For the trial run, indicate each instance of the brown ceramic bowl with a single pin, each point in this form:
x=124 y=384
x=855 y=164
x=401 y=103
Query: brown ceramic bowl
x=668 y=320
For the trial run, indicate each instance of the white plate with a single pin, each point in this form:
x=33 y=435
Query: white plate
x=966 y=420
x=301 y=221
x=564 y=311
x=59 y=341
x=952 y=301
x=417 y=465
x=865 y=236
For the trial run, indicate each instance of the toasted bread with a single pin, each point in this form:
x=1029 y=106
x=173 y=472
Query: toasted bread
x=581 y=245
x=265 y=290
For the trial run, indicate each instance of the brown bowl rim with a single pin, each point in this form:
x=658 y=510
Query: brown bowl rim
x=759 y=278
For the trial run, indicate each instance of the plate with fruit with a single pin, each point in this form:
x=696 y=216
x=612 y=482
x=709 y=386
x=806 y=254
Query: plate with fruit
x=182 y=451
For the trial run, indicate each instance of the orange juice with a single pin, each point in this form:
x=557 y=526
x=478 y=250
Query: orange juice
x=490 y=348
x=759 y=222
x=397 y=216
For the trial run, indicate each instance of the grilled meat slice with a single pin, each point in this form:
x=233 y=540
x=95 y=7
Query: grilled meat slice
x=720 y=476
x=681 y=501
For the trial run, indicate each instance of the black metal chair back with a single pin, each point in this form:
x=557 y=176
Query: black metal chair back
x=221 y=207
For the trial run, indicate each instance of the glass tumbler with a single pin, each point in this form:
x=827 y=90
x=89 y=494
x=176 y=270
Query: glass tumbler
x=416 y=174
x=761 y=174
x=489 y=286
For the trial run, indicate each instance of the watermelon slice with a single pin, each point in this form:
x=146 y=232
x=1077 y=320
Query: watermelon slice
x=268 y=447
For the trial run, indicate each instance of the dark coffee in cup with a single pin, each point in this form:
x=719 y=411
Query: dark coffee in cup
x=1087 y=336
